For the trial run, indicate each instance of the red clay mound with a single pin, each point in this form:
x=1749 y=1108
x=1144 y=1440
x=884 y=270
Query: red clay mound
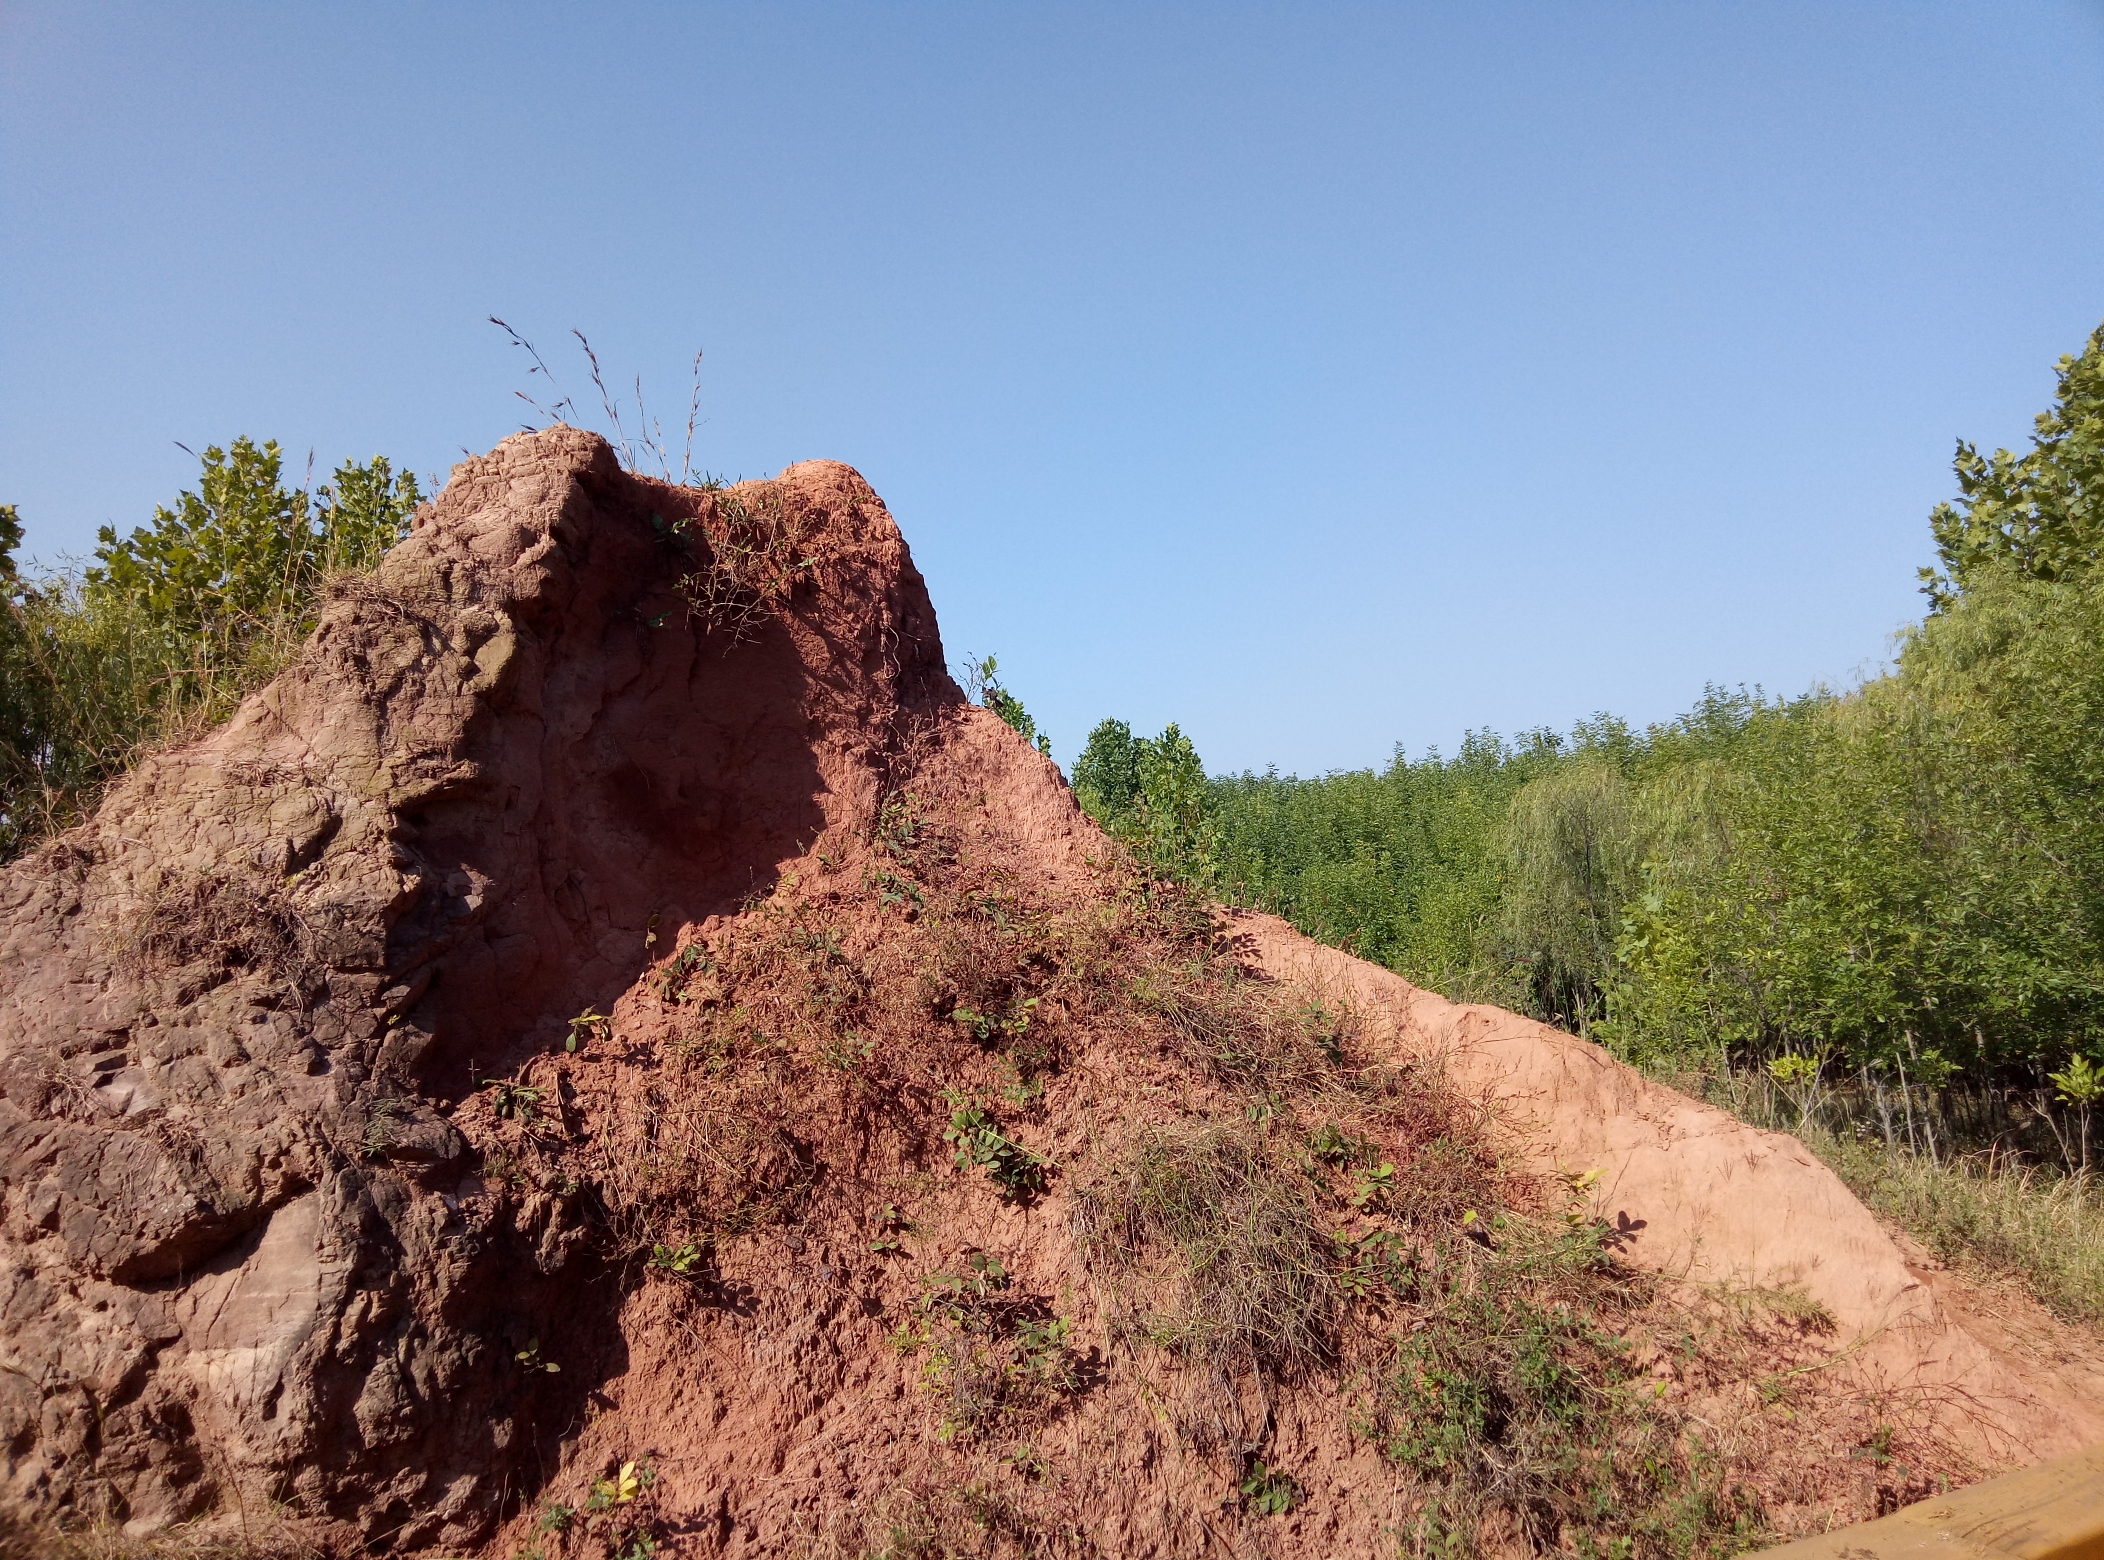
x=610 y=1051
x=236 y=1003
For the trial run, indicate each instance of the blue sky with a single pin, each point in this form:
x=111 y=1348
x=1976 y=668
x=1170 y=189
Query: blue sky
x=1320 y=377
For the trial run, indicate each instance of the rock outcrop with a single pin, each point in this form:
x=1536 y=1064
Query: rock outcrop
x=235 y=1008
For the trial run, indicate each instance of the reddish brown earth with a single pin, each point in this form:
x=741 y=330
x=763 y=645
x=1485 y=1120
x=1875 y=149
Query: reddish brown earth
x=320 y=1213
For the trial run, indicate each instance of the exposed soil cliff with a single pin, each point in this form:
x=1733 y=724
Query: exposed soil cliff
x=610 y=1050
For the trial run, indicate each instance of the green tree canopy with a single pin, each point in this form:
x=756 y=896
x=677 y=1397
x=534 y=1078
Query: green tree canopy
x=243 y=548
x=171 y=625
x=2040 y=514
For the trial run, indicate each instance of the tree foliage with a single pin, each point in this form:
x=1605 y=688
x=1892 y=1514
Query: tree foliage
x=243 y=551
x=1905 y=880
x=172 y=624
x=1152 y=794
x=2040 y=514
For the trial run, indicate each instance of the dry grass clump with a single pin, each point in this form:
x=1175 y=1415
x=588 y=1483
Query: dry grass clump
x=260 y=1539
x=883 y=997
x=236 y=919
x=2043 y=1228
x=1242 y=1032
x=1250 y=1280
x=955 y=1518
x=758 y=541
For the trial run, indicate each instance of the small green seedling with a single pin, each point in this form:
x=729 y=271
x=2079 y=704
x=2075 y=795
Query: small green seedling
x=514 y=1101
x=848 y=1052
x=670 y=982
x=987 y=1027
x=895 y=1224
x=681 y=1261
x=619 y=1489
x=588 y=1025
x=1370 y=1262
x=895 y=890
x=530 y=1357
x=1372 y=1185
x=1270 y=1492
x=1331 y=1144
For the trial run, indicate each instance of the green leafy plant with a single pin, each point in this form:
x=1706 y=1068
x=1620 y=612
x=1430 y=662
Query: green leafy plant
x=682 y=1261
x=1371 y=1185
x=1268 y=1492
x=588 y=1025
x=669 y=981
x=895 y=890
x=991 y=1355
x=530 y=1358
x=514 y=1101
x=2080 y=1084
x=980 y=1143
x=171 y=625
x=982 y=686
x=892 y=1227
x=998 y=1026
x=1152 y=794
x=2040 y=514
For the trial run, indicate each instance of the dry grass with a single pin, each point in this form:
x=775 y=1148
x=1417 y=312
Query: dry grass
x=2043 y=1228
x=758 y=543
x=236 y=919
x=1248 y=1278
x=1242 y=1032
x=1992 y=1212
x=979 y=1516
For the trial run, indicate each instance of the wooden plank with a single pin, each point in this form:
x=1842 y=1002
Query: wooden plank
x=2052 y=1512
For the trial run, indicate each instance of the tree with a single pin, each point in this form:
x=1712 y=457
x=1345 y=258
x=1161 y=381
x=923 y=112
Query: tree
x=23 y=710
x=1107 y=774
x=172 y=624
x=243 y=551
x=2040 y=514
x=1151 y=793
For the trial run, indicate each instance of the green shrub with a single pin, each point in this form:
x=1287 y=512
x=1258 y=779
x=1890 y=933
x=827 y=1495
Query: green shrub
x=983 y=684
x=170 y=626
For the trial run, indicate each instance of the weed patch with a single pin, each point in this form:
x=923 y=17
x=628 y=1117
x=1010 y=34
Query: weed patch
x=982 y=1144
x=990 y=1357
x=1209 y=1215
x=758 y=543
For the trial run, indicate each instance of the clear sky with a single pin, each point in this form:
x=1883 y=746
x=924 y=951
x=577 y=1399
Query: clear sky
x=1321 y=377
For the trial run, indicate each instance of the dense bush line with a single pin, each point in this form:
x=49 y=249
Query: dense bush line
x=1881 y=893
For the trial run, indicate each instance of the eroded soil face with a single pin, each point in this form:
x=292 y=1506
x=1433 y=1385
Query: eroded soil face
x=610 y=1054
